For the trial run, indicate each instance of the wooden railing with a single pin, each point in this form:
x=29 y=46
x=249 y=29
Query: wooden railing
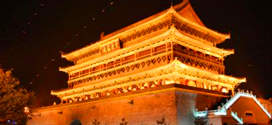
x=124 y=60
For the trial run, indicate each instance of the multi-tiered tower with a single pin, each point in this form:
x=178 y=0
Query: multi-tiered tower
x=171 y=47
x=156 y=71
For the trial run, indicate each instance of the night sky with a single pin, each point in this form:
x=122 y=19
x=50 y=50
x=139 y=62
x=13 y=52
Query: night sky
x=33 y=33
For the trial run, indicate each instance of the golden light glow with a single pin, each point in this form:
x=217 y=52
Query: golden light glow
x=224 y=90
x=168 y=82
x=191 y=83
x=143 y=25
x=161 y=50
x=173 y=71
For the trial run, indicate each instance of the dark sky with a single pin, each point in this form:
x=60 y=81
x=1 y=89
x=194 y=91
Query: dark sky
x=33 y=32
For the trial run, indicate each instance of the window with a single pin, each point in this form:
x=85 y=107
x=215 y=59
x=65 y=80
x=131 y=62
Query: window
x=214 y=87
x=248 y=114
x=192 y=83
x=224 y=90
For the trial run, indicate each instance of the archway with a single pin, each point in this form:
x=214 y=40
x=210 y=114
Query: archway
x=75 y=122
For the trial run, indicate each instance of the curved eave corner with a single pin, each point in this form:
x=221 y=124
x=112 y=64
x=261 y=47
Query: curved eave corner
x=58 y=93
x=67 y=56
x=227 y=52
x=54 y=93
x=237 y=81
x=223 y=37
x=241 y=80
x=64 y=69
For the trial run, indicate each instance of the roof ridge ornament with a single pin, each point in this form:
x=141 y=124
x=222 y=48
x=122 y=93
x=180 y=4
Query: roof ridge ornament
x=171 y=3
x=171 y=10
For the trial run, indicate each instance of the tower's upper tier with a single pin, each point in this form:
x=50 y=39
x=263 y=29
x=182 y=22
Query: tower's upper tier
x=181 y=16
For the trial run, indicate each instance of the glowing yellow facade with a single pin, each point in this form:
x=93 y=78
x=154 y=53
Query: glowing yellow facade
x=171 y=47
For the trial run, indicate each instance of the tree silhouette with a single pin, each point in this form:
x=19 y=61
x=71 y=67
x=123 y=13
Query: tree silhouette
x=13 y=99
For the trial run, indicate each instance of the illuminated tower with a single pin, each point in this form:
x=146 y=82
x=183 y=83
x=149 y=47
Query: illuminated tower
x=165 y=69
x=171 y=47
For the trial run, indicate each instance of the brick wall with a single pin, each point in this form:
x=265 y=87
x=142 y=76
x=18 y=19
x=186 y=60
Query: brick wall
x=168 y=106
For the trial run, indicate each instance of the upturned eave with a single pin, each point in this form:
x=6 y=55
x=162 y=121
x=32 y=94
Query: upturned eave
x=141 y=24
x=178 y=69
